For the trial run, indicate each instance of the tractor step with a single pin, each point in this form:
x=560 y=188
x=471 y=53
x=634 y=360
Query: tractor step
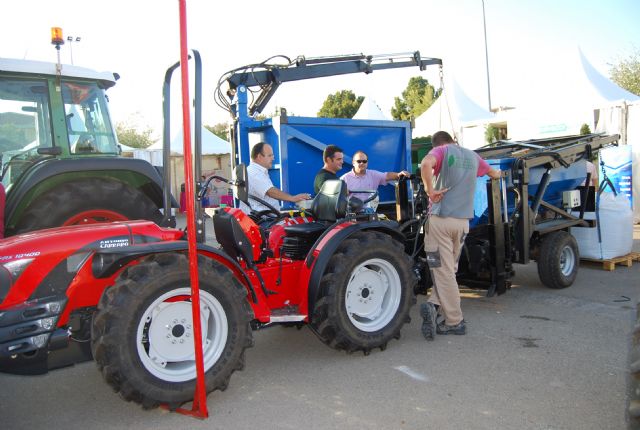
x=286 y=314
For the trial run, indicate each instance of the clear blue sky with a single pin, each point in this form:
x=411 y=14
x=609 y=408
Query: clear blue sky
x=528 y=40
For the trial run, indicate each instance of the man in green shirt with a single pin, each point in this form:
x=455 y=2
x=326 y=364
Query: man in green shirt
x=333 y=158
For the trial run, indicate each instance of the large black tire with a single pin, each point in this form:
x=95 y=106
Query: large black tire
x=633 y=385
x=355 y=310
x=558 y=260
x=91 y=197
x=142 y=339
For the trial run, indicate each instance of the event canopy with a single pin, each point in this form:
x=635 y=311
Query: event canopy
x=561 y=100
x=211 y=144
x=450 y=112
x=369 y=109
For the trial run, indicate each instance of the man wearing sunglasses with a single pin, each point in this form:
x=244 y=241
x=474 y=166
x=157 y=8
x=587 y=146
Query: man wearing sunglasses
x=361 y=178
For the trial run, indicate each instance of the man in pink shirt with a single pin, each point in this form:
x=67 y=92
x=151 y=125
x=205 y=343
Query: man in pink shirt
x=362 y=179
x=455 y=170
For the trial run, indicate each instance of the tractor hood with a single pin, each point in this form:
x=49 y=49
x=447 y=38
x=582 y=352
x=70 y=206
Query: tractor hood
x=44 y=263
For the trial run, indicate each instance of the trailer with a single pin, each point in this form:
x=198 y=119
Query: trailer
x=526 y=215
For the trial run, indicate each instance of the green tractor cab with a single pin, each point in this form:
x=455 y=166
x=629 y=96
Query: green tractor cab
x=60 y=158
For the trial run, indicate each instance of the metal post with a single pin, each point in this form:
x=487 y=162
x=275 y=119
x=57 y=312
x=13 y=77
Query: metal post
x=486 y=55
x=200 y=396
x=71 y=39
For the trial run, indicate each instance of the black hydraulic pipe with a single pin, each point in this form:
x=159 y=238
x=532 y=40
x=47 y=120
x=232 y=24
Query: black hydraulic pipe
x=544 y=182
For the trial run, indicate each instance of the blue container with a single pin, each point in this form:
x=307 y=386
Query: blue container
x=298 y=143
x=562 y=179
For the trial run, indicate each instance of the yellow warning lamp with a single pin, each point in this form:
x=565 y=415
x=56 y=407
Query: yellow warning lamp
x=56 y=37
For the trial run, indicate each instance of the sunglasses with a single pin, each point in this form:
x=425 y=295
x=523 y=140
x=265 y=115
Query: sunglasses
x=362 y=161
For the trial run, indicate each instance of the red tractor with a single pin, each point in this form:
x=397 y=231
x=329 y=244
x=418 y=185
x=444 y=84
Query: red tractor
x=124 y=290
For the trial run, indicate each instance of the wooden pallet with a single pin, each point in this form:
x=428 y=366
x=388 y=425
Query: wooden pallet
x=610 y=264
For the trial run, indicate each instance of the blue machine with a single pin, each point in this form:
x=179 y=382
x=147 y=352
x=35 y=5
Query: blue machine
x=298 y=143
x=561 y=179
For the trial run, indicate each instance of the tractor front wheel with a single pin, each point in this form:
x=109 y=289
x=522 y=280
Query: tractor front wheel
x=143 y=336
x=365 y=294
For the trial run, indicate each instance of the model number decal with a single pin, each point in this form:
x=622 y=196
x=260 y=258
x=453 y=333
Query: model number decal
x=18 y=256
x=114 y=243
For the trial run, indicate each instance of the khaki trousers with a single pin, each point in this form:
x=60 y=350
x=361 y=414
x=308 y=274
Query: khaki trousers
x=443 y=244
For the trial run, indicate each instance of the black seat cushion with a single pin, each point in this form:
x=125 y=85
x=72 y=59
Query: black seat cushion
x=309 y=230
x=330 y=204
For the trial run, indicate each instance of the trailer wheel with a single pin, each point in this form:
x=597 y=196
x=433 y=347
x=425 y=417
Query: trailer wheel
x=559 y=260
x=365 y=294
x=142 y=336
x=633 y=384
x=88 y=202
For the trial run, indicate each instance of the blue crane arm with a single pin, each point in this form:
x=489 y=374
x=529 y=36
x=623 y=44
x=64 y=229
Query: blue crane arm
x=270 y=78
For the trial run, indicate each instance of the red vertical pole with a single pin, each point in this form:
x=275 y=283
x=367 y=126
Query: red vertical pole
x=200 y=397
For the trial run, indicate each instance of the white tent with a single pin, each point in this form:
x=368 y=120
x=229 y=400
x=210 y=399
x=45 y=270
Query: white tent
x=369 y=109
x=211 y=144
x=457 y=114
x=561 y=102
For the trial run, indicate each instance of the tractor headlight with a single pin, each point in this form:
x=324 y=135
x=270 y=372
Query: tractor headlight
x=75 y=261
x=47 y=323
x=40 y=340
x=9 y=274
x=16 y=267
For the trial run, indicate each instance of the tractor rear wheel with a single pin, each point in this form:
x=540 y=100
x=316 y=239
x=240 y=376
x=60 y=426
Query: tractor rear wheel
x=365 y=294
x=559 y=260
x=87 y=202
x=142 y=334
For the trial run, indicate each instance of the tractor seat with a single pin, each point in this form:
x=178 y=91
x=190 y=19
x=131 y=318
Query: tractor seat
x=308 y=230
x=330 y=204
x=232 y=238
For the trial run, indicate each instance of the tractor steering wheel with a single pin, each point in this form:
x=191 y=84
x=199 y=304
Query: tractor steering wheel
x=269 y=211
x=373 y=194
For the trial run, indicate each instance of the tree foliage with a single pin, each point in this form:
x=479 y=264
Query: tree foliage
x=342 y=104
x=626 y=73
x=221 y=130
x=491 y=134
x=416 y=98
x=585 y=129
x=132 y=137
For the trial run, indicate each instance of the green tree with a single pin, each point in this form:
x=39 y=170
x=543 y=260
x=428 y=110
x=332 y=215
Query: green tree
x=132 y=137
x=626 y=73
x=491 y=134
x=221 y=130
x=416 y=98
x=585 y=129
x=342 y=104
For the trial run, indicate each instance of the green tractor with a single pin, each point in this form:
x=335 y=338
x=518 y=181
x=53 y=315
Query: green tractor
x=61 y=162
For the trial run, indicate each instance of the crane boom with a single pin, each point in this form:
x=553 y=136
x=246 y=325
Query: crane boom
x=303 y=68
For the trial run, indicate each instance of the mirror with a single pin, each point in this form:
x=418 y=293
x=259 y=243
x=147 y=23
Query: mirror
x=241 y=189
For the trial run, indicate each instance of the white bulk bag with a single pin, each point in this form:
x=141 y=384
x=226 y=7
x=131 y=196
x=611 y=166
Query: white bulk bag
x=615 y=223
